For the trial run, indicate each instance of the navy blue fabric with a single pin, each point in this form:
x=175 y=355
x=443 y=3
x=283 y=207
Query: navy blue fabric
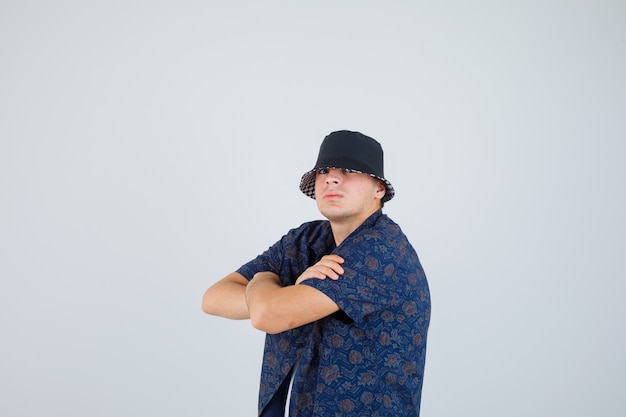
x=288 y=258
x=276 y=406
x=367 y=359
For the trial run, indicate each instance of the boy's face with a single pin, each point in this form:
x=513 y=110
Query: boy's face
x=342 y=195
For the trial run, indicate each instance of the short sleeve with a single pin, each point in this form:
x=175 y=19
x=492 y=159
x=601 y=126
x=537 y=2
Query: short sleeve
x=369 y=283
x=293 y=253
x=267 y=261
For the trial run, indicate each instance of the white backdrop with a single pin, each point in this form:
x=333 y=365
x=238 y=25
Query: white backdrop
x=148 y=148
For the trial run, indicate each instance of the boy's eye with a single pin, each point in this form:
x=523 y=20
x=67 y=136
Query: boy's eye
x=322 y=171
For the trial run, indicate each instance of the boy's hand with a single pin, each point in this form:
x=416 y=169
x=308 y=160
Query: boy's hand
x=327 y=267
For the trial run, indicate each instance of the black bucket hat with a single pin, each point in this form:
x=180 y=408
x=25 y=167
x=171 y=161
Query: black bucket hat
x=352 y=152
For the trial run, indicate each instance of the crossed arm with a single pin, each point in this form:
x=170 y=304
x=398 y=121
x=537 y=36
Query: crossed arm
x=271 y=307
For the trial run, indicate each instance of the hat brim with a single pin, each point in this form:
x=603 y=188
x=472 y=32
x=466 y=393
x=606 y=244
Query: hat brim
x=307 y=183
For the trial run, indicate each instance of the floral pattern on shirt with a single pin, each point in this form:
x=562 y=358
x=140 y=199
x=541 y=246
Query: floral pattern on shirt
x=368 y=358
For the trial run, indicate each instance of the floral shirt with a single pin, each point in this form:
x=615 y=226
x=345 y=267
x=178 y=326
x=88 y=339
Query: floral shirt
x=368 y=358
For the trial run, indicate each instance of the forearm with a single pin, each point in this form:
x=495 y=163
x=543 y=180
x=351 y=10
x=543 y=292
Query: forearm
x=227 y=298
x=274 y=308
x=261 y=294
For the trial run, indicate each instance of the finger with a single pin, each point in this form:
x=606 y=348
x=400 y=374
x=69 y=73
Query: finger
x=332 y=257
x=317 y=271
x=331 y=271
x=331 y=265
